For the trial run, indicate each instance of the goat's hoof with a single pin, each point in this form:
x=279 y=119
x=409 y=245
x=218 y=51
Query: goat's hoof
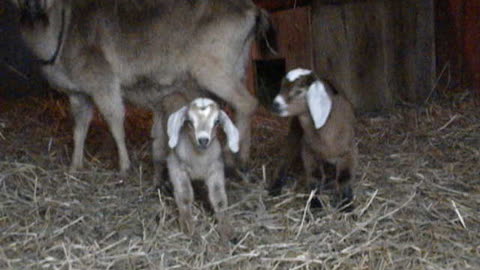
x=316 y=203
x=275 y=191
x=165 y=187
x=225 y=231
x=74 y=169
x=123 y=174
x=238 y=174
x=275 y=187
x=344 y=202
x=186 y=225
x=230 y=172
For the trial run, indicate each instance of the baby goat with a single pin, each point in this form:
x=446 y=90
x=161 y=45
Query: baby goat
x=197 y=154
x=327 y=122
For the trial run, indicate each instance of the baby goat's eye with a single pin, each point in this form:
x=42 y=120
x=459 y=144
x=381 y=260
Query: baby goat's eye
x=217 y=122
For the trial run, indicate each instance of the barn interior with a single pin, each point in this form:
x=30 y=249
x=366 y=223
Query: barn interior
x=412 y=71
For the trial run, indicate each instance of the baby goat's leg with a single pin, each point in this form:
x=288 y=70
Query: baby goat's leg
x=218 y=199
x=343 y=178
x=82 y=110
x=323 y=175
x=308 y=182
x=289 y=153
x=183 y=193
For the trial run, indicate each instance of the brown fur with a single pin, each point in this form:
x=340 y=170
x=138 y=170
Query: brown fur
x=332 y=143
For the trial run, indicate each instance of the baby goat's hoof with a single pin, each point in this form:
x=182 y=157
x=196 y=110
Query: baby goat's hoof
x=225 y=231
x=186 y=225
x=344 y=201
x=316 y=203
x=275 y=188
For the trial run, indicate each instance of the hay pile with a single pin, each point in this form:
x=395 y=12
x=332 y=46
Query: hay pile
x=417 y=199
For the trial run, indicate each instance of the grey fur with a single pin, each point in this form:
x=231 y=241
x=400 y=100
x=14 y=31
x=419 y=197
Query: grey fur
x=141 y=51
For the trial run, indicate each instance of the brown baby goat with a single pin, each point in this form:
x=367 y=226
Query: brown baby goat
x=326 y=119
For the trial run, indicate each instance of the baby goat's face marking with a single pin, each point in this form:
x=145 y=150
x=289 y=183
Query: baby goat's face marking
x=203 y=114
x=292 y=100
x=293 y=75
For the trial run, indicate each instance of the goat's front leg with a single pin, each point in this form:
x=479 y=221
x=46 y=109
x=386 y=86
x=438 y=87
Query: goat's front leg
x=289 y=153
x=218 y=199
x=82 y=111
x=183 y=193
x=307 y=183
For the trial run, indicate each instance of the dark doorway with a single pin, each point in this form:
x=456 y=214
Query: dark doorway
x=269 y=77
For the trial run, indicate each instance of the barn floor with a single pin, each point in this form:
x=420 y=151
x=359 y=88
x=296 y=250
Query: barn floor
x=417 y=199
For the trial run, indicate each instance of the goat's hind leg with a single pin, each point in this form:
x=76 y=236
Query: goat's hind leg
x=343 y=188
x=109 y=102
x=82 y=111
x=159 y=153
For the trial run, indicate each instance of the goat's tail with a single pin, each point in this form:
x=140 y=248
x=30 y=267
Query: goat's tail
x=265 y=32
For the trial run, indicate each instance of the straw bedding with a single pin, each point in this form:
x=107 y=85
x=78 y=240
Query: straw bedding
x=416 y=207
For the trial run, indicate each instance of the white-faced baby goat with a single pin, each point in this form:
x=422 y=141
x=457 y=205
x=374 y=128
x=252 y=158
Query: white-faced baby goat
x=197 y=154
x=326 y=119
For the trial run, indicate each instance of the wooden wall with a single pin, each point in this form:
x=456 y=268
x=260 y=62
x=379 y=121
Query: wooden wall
x=376 y=51
x=458 y=42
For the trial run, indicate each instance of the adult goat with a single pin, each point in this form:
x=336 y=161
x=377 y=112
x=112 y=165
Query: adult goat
x=102 y=52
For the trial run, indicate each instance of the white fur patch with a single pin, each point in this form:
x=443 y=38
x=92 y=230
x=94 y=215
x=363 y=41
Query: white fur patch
x=297 y=73
x=281 y=101
x=203 y=102
x=283 y=105
x=203 y=134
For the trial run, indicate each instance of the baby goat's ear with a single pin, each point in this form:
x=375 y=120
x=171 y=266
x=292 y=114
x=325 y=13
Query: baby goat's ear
x=174 y=125
x=231 y=131
x=319 y=103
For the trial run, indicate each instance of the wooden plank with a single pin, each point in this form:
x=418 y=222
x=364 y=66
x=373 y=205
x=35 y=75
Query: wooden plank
x=472 y=41
x=349 y=51
x=376 y=51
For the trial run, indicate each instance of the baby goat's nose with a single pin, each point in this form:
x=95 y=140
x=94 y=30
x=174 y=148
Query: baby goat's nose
x=203 y=142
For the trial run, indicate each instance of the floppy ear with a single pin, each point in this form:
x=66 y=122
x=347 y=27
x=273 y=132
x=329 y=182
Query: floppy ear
x=319 y=103
x=231 y=131
x=174 y=125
